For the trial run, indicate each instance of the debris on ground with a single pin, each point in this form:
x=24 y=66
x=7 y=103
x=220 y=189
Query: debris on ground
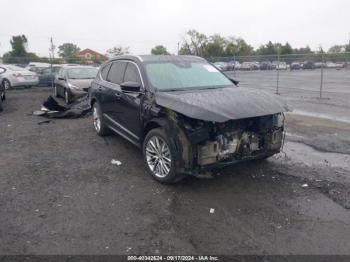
x=52 y=109
x=212 y=210
x=304 y=185
x=45 y=122
x=116 y=162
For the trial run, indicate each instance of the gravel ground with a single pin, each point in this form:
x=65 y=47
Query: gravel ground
x=60 y=194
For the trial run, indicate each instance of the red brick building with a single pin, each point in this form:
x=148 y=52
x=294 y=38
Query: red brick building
x=90 y=56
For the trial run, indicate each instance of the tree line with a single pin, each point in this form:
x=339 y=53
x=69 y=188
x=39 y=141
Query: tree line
x=193 y=43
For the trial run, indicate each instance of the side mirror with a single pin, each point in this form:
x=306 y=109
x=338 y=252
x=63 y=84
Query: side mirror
x=130 y=87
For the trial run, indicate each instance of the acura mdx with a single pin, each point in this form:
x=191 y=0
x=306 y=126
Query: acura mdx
x=186 y=116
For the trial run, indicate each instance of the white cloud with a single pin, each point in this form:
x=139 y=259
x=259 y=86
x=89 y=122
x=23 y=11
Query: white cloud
x=141 y=24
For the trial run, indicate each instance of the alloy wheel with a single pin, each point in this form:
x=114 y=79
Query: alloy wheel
x=158 y=156
x=96 y=118
x=7 y=84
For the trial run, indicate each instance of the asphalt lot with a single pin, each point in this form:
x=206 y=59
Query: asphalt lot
x=301 y=88
x=60 y=194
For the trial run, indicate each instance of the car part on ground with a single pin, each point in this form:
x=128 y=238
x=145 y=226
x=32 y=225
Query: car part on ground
x=185 y=125
x=52 y=109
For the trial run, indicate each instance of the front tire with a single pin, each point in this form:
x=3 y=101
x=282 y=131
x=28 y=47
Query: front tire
x=6 y=84
x=67 y=97
x=160 y=157
x=99 y=125
x=55 y=91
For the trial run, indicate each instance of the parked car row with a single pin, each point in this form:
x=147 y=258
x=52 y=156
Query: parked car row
x=275 y=65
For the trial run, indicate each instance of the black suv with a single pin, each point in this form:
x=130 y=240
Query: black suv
x=2 y=90
x=186 y=116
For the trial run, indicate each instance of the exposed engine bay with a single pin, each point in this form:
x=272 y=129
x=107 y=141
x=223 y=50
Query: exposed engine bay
x=235 y=140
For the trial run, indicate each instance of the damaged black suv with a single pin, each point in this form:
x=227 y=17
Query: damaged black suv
x=186 y=116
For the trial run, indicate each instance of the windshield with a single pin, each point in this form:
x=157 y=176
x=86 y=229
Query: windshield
x=185 y=75
x=82 y=73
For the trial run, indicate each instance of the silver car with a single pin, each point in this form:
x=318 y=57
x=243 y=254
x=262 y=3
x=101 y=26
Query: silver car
x=74 y=81
x=17 y=76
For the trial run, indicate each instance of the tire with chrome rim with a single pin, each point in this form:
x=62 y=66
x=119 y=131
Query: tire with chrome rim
x=99 y=125
x=6 y=84
x=159 y=156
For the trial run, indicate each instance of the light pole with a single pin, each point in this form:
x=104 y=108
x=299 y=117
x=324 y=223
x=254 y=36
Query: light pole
x=322 y=65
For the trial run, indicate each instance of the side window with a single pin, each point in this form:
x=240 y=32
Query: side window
x=116 y=73
x=61 y=73
x=104 y=71
x=132 y=74
x=46 y=71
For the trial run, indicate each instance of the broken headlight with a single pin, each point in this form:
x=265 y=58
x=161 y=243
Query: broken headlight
x=278 y=120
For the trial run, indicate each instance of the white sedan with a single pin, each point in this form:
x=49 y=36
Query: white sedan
x=17 y=76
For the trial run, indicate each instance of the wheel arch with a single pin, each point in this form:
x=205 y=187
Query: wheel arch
x=177 y=134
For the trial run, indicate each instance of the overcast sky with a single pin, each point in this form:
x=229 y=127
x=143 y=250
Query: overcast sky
x=142 y=24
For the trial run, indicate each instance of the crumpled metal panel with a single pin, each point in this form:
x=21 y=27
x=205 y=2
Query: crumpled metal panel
x=222 y=104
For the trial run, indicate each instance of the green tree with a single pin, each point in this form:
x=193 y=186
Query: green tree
x=286 y=49
x=302 y=50
x=244 y=49
x=337 y=49
x=159 y=50
x=215 y=46
x=68 y=51
x=194 y=43
x=18 y=44
x=117 y=50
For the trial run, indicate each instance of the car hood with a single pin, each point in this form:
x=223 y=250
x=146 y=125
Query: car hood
x=222 y=104
x=81 y=83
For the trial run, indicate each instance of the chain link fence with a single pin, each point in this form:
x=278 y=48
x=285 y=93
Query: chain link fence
x=285 y=72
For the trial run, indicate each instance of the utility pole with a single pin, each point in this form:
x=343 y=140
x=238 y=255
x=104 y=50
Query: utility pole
x=322 y=65
x=52 y=57
x=278 y=71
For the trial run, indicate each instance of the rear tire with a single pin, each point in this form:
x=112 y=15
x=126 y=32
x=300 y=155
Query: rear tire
x=159 y=156
x=99 y=124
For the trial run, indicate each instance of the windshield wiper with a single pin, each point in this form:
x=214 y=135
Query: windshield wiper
x=172 y=89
